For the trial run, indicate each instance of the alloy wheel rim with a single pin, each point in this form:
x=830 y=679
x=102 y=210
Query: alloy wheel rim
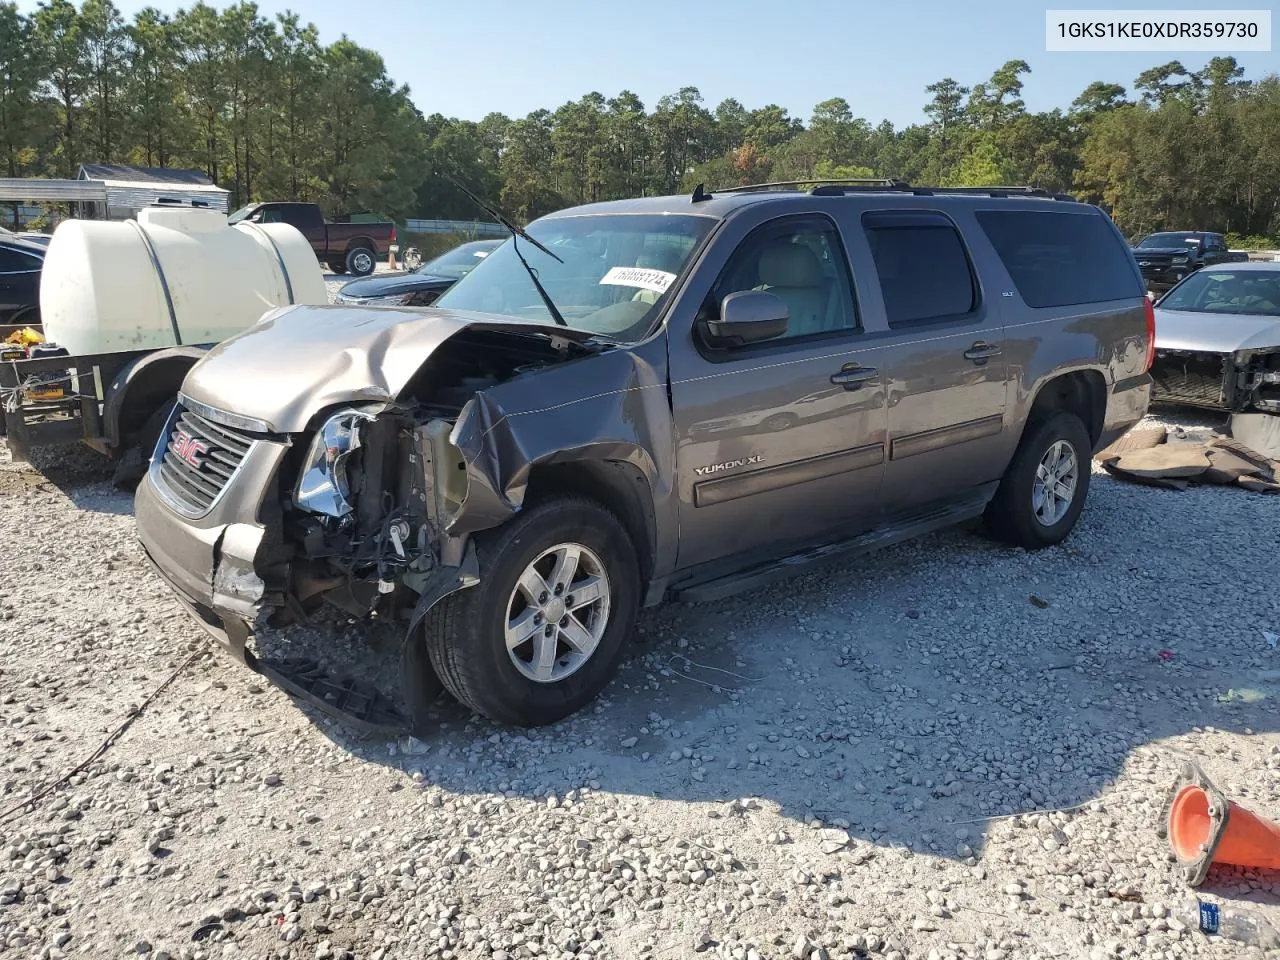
x=362 y=262
x=1054 y=488
x=557 y=613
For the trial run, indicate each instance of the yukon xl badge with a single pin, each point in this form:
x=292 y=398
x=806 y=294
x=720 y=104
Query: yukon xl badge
x=727 y=465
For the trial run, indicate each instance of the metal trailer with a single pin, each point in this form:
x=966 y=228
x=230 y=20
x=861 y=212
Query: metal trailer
x=114 y=403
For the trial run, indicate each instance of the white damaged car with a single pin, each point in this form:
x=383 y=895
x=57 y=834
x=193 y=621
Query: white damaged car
x=1218 y=339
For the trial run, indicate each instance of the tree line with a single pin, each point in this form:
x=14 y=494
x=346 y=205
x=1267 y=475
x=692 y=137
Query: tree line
x=269 y=112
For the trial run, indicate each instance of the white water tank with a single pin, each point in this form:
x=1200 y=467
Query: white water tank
x=175 y=275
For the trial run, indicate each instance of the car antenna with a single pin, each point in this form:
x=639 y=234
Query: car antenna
x=700 y=194
x=516 y=231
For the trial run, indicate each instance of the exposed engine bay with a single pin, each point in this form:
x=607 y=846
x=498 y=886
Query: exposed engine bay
x=1236 y=382
x=367 y=504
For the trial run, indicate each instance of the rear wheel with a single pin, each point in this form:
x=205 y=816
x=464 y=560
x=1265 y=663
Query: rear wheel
x=360 y=261
x=542 y=633
x=1044 y=489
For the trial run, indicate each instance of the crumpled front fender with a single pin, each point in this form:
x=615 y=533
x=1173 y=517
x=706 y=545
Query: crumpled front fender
x=608 y=407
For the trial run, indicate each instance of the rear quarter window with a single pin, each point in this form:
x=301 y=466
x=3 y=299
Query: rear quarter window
x=1057 y=259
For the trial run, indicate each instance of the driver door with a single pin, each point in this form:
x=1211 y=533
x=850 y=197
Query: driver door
x=780 y=444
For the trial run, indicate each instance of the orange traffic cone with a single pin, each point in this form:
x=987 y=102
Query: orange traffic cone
x=1204 y=827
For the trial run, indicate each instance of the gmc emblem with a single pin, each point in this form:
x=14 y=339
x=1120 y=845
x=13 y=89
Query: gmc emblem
x=188 y=449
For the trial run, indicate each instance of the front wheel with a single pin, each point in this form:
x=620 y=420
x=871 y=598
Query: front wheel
x=360 y=261
x=543 y=631
x=1044 y=489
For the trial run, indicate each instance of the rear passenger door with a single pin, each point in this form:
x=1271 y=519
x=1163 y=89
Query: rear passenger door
x=947 y=385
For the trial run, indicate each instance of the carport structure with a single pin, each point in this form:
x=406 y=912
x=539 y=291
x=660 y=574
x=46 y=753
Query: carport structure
x=89 y=197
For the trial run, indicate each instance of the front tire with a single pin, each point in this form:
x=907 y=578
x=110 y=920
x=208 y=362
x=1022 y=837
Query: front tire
x=543 y=631
x=1045 y=486
x=360 y=261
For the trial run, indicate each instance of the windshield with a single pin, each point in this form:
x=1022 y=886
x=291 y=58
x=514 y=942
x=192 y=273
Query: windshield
x=615 y=274
x=242 y=213
x=1170 y=240
x=1255 y=292
x=459 y=261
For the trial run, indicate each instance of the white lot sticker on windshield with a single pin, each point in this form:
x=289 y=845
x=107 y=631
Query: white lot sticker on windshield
x=641 y=277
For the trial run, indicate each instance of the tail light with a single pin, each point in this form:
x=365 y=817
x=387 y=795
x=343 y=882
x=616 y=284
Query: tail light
x=393 y=233
x=1150 y=310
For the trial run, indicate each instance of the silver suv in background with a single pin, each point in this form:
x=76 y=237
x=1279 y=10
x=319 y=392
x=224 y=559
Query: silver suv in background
x=670 y=397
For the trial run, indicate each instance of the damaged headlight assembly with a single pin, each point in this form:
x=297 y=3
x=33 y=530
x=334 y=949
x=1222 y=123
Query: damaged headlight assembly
x=323 y=486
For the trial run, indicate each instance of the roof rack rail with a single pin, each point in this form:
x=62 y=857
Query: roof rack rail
x=815 y=182
x=996 y=190
x=819 y=187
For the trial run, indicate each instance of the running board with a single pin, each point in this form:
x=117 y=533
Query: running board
x=906 y=528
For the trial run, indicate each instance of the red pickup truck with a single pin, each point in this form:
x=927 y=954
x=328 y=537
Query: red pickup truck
x=346 y=247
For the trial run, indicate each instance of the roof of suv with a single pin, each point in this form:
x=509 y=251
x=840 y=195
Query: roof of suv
x=723 y=204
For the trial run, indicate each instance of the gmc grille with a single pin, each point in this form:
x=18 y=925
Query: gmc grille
x=199 y=460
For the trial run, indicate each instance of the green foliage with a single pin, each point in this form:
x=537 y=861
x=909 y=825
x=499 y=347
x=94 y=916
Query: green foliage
x=270 y=113
x=1238 y=242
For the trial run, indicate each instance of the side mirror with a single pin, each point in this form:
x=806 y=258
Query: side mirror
x=747 y=316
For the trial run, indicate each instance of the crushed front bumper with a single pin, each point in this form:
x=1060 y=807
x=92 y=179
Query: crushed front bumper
x=210 y=564
x=1216 y=381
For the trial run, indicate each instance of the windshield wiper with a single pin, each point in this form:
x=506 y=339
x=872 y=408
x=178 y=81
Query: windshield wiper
x=517 y=231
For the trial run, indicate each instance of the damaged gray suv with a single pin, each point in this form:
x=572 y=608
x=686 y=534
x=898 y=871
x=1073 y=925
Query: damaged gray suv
x=665 y=398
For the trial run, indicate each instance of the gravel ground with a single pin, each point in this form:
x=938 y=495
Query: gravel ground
x=824 y=769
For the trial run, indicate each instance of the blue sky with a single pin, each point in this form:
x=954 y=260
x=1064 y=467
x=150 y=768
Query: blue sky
x=468 y=59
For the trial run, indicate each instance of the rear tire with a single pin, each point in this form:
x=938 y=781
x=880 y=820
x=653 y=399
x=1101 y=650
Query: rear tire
x=361 y=261
x=467 y=634
x=1031 y=508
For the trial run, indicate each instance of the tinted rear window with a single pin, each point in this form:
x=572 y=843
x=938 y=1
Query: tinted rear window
x=1057 y=259
x=922 y=265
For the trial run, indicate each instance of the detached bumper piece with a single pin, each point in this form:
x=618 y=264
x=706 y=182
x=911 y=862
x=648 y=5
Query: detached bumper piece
x=354 y=702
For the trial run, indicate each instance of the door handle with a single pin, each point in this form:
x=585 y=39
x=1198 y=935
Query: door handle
x=981 y=352
x=852 y=377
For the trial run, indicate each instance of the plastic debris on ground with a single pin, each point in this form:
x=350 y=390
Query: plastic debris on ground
x=1176 y=459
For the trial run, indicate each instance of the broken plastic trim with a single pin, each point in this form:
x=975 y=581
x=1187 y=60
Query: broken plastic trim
x=418 y=682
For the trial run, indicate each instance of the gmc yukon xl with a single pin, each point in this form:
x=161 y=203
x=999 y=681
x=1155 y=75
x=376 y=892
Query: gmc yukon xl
x=671 y=397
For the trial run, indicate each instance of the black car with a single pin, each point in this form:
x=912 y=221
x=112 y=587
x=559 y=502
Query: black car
x=20 y=266
x=420 y=288
x=1165 y=258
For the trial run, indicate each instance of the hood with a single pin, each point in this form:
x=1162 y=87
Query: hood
x=390 y=285
x=1215 y=332
x=298 y=360
x=1141 y=252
